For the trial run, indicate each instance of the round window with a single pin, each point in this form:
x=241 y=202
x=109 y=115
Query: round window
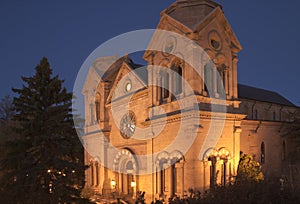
x=169 y=45
x=215 y=41
x=128 y=86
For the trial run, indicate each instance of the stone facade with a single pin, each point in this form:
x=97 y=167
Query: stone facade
x=153 y=117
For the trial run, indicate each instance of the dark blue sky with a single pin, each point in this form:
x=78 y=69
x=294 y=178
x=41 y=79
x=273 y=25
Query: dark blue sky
x=66 y=32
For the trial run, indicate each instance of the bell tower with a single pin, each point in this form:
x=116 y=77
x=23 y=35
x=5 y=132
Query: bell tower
x=203 y=21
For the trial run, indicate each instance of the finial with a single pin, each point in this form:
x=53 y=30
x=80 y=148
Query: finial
x=126 y=56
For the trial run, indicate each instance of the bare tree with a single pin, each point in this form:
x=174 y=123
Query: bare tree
x=6 y=109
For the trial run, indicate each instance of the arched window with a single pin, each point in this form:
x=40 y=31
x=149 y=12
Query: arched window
x=97 y=106
x=174 y=175
x=170 y=173
x=163 y=175
x=177 y=81
x=165 y=80
x=168 y=176
x=221 y=80
x=211 y=155
x=209 y=78
x=224 y=155
x=262 y=153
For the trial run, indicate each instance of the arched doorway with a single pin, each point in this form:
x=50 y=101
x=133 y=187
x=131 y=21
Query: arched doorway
x=170 y=174
x=125 y=166
x=127 y=178
x=224 y=156
x=217 y=166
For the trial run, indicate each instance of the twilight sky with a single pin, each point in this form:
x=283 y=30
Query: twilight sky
x=66 y=32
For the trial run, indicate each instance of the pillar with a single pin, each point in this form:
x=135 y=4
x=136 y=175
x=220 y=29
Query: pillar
x=234 y=75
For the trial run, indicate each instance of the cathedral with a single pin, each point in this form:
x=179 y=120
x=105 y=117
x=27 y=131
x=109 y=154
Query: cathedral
x=176 y=124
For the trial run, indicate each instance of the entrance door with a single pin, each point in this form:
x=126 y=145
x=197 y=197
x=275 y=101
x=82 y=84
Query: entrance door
x=127 y=178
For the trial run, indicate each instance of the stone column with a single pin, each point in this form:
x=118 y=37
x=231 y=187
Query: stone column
x=106 y=184
x=159 y=172
x=170 y=87
x=134 y=187
x=155 y=93
x=180 y=172
x=92 y=114
x=214 y=83
x=171 y=182
x=225 y=171
x=92 y=174
x=234 y=75
x=86 y=109
x=226 y=73
x=204 y=174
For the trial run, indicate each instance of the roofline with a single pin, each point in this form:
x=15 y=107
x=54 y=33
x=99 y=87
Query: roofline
x=251 y=99
x=178 y=2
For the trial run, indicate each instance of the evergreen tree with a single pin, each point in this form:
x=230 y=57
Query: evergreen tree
x=45 y=161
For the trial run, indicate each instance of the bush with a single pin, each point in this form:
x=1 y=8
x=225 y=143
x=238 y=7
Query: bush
x=249 y=170
x=87 y=193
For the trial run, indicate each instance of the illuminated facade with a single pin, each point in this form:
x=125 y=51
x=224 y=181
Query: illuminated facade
x=252 y=122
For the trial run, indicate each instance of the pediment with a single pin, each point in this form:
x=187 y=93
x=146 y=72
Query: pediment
x=219 y=18
x=129 y=80
x=190 y=17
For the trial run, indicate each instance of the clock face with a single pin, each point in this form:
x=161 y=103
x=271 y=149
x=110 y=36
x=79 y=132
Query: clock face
x=127 y=125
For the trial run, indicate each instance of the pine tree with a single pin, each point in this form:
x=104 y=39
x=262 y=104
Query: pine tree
x=45 y=161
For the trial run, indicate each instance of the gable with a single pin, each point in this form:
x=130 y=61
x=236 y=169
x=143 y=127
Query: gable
x=192 y=16
x=129 y=79
x=217 y=16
